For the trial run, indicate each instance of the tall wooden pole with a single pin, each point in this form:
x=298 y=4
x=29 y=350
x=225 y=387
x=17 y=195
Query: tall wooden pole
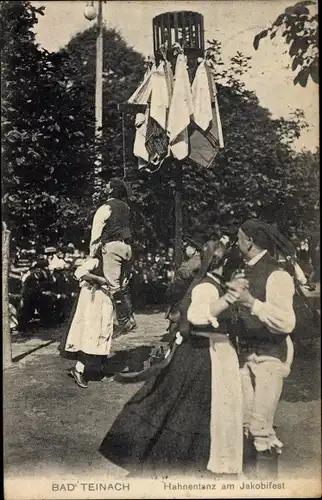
x=178 y=215
x=6 y=335
x=99 y=73
x=99 y=88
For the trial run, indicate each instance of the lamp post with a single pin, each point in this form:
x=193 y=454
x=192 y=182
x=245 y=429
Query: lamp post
x=90 y=13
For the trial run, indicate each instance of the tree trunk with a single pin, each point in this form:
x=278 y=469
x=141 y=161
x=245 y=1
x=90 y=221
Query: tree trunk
x=6 y=339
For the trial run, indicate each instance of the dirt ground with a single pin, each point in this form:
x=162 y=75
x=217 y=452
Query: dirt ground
x=50 y=424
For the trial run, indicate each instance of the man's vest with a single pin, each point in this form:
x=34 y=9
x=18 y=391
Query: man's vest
x=117 y=226
x=253 y=334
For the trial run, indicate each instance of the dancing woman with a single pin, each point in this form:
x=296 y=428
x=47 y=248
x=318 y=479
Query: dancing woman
x=90 y=333
x=187 y=419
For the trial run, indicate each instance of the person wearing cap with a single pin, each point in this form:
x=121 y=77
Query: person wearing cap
x=111 y=234
x=181 y=280
x=266 y=319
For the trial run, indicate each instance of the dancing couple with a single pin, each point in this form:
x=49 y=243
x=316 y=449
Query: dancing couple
x=221 y=388
x=102 y=278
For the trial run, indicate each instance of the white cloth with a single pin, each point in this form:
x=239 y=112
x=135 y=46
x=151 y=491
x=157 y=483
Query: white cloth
x=99 y=221
x=260 y=399
x=139 y=148
x=214 y=99
x=86 y=267
x=198 y=311
x=80 y=367
x=277 y=311
x=219 y=126
x=181 y=110
x=301 y=278
x=57 y=263
x=201 y=95
x=92 y=325
x=160 y=101
x=143 y=92
x=226 y=429
x=257 y=257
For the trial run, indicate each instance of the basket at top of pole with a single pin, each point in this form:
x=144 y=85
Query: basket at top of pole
x=185 y=28
x=175 y=32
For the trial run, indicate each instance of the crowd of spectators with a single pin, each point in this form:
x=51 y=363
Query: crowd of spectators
x=42 y=286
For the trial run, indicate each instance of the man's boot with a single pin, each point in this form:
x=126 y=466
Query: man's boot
x=123 y=315
x=267 y=464
x=249 y=457
x=128 y=301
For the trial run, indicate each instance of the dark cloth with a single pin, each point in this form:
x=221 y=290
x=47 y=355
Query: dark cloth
x=117 y=226
x=204 y=146
x=65 y=332
x=254 y=336
x=156 y=142
x=165 y=427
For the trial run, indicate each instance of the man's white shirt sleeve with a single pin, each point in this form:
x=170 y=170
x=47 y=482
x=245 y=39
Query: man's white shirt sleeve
x=87 y=266
x=277 y=311
x=99 y=221
x=201 y=297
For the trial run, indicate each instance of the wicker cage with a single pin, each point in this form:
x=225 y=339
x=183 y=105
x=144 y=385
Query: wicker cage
x=185 y=28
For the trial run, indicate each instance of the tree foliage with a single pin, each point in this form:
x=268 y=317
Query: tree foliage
x=299 y=28
x=47 y=141
x=49 y=145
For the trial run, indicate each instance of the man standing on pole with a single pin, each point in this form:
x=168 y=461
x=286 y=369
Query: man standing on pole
x=111 y=234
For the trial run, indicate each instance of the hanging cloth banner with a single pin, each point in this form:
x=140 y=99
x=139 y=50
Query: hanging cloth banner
x=143 y=92
x=156 y=140
x=151 y=143
x=160 y=96
x=204 y=146
x=206 y=136
x=214 y=93
x=140 y=150
x=181 y=110
x=202 y=94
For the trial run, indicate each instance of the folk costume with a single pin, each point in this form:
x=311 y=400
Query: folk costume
x=111 y=234
x=265 y=347
x=188 y=417
x=91 y=329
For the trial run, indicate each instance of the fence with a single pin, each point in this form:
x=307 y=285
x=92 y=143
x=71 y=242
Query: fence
x=6 y=336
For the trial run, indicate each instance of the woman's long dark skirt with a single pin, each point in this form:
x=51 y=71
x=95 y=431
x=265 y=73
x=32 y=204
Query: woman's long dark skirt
x=165 y=427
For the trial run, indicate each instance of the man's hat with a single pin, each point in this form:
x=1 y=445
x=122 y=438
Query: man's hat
x=197 y=240
x=50 y=250
x=119 y=186
x=189 y=241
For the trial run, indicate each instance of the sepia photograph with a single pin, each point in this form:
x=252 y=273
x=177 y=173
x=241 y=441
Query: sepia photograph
x=160 y=249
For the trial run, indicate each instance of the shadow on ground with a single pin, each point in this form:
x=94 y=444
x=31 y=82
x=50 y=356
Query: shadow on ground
x=304 y=381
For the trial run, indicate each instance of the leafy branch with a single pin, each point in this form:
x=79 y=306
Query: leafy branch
x=299 y=27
